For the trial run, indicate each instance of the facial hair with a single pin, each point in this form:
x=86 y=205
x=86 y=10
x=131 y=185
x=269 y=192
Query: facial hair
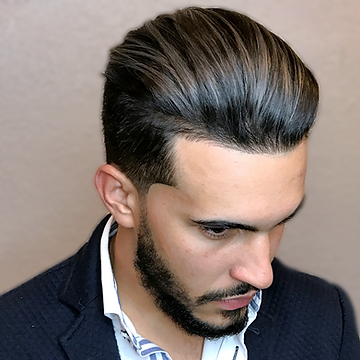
x=171 y=297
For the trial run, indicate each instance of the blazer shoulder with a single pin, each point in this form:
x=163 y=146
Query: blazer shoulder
x=50 y=279
x=309 y=295
x=37 y=315
x=26 y=300
x=297 y=283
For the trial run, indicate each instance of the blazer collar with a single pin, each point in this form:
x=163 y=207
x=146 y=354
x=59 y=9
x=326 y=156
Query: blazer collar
x=83 y=282
x=91 y=335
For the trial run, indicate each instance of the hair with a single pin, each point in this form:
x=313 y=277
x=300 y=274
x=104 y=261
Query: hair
x=205 y=74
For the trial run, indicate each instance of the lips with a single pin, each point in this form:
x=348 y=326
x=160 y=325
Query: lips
x=237 y=302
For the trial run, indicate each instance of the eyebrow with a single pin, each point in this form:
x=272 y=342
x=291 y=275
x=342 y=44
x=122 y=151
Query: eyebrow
x=224 y=224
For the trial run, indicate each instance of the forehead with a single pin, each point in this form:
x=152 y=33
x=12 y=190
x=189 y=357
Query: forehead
x=216 y=181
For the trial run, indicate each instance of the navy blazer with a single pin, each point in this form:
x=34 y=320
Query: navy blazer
x=59 y=315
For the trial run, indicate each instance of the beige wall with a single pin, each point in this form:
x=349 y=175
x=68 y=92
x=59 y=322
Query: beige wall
x=52 y=54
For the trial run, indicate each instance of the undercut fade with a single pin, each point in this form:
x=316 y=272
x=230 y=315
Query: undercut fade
x=204 y=74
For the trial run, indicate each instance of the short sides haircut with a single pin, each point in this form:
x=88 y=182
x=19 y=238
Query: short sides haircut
x=209 y=74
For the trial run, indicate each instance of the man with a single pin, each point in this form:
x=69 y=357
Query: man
x=206 y=116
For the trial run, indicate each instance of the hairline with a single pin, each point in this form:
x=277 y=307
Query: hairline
x=174 y=177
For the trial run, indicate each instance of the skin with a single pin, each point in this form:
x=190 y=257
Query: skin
x=258 y=191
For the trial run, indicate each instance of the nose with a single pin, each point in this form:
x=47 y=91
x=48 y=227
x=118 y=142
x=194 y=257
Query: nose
x=252 y=262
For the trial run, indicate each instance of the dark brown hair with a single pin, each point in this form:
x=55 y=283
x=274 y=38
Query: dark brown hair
x=205 y=74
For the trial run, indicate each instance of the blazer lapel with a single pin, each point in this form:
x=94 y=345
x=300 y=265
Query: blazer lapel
x=262 y=335
x=91 y=336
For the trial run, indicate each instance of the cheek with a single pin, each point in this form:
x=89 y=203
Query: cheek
x=192 y=261
x=186 y=255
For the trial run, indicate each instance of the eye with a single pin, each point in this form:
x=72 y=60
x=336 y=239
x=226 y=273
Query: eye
x=215 y=232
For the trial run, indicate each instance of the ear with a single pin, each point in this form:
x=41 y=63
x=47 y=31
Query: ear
x=119 y=195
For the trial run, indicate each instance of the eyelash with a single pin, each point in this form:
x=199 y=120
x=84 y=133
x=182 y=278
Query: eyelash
x=213 y=232
x=218 y=233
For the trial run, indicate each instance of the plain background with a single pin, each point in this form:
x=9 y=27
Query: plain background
x=52 y=54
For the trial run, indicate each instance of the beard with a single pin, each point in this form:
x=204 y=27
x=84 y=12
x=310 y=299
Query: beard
x=172 y=298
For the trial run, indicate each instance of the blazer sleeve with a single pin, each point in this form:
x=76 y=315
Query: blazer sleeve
x=350 y=346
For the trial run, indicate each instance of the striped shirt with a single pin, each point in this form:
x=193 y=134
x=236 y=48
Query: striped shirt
x=131 y=345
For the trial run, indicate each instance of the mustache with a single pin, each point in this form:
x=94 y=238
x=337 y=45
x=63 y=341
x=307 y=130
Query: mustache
x=218 y=295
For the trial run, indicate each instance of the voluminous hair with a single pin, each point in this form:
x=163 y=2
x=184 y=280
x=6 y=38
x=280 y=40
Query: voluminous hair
x=205 y=74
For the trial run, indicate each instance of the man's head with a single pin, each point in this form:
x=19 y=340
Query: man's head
x=206 y=115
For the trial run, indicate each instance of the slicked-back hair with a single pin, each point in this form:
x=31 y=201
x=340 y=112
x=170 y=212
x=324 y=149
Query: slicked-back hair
x=207 y=74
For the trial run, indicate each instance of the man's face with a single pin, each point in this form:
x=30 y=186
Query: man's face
x=206 y=246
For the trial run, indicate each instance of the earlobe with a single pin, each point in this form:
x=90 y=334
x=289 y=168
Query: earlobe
x=118 y=194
